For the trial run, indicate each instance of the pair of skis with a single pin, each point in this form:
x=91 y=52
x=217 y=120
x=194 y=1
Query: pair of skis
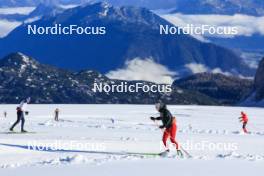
x=187 y=153
x=43 y=149
x=181 y=153
x=16 y=132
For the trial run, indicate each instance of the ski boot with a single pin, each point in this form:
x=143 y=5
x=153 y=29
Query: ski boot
x=179 y=153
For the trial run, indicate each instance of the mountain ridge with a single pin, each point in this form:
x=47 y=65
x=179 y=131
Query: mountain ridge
x=132 y=33
x=22 y=76
x=226 y=7
x=225 y=89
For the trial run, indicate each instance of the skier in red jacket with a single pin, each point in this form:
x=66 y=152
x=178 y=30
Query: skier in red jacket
x=244 y=120
x=169 y=126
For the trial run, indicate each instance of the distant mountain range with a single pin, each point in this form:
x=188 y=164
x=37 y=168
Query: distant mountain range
x=224 y=7
x=22 y=76
x=131 y=33
x=227 y=7
x=243 y=44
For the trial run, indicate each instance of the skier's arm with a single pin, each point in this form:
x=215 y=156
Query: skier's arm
x=155 y=118
x=161 y=126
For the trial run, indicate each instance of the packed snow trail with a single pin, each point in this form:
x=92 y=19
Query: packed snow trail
x=45 y=149
x=123 y=128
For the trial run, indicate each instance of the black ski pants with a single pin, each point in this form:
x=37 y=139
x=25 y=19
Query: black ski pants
x=20 y=117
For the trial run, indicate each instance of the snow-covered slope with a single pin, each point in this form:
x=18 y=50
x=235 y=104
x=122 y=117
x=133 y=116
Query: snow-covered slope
x=127 y=128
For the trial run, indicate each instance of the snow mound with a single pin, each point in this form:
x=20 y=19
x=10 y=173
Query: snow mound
x=248 y=157
x=75 y=159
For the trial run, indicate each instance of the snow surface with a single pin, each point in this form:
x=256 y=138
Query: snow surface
x=126 y=128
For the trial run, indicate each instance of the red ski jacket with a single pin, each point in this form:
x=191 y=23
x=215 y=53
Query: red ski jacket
x=244 y=117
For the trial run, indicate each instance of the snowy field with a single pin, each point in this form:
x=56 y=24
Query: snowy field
x=119 y=140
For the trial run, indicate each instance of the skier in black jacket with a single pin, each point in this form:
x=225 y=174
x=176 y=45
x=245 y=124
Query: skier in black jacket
x=21 y=111
x=169 y=124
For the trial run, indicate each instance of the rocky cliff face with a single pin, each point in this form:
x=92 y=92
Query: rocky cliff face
x=259 y=82
x=224 y=89
x=256 y=97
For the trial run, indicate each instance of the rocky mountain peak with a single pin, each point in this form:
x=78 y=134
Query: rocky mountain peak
x=17 y=60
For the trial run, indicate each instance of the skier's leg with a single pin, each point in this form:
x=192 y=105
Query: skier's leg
x=17 y=121
x=166 y=134
x=22 y=122
x=244 y=127
x=173 y=131
x=173 y=139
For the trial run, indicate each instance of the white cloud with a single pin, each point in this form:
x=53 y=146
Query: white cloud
x=16 y=10
x=252 y=59
x=219 y=70
x=196 y=68
x=69 y=6
x=31 y=20
x=246 y=25
x=143 y=69
x=7 y=26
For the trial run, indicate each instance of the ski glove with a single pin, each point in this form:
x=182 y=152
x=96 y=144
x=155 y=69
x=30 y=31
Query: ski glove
x=162 y=126
x=152 y=118
x=26 y=112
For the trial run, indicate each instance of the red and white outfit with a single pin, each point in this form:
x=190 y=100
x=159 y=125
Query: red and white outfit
x=244 y=120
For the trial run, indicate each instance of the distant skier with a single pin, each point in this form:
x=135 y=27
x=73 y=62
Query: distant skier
x=244 y=120
x=5 y=114
x=169 y=124
x=112 y=120
x=56 y=112
x=21 y=111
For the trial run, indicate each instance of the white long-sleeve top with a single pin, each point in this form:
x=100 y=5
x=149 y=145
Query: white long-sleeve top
x=23 y=106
